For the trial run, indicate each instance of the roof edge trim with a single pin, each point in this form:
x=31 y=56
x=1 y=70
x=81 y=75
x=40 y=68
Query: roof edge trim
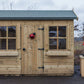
x=75 y=14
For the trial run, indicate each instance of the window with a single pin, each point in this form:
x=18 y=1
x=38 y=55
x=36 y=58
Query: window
x=7 y=37
x=53 y=43
x=2 y=43
x=11 y=31
x=57 y=37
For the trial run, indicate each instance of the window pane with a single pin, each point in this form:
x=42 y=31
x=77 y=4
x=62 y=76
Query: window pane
x=2 y=31
x=53 y=43
x=52 y=31
x=11 y=31
x=11 y=43
x=62 y=31
x=62 y=43
x=2 y=44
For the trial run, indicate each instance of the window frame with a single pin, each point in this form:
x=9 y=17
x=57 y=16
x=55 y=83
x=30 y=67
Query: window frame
x=58 y=37
x=9 y=38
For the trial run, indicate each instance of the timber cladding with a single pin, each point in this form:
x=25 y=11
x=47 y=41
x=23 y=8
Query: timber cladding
x=41 y=55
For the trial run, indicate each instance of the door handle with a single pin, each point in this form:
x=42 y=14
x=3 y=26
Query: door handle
x=24 y=49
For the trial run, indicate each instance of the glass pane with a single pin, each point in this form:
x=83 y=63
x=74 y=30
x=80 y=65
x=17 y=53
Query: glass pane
x=53 y=43
x=2 y=31
x=11 y=31
x=62 y=31
x=2 y=44
x=62 y=43
x=11 y=43
x=52 y=31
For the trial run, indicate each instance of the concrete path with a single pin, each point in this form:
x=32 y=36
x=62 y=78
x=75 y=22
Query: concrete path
x=76 y=79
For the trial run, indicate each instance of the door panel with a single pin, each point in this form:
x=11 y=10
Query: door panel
x=28 y=52
x=24 y=53
x=40 y=49
x=32 y=57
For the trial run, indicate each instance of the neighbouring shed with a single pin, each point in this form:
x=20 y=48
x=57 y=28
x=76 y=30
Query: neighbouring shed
x=37 y=42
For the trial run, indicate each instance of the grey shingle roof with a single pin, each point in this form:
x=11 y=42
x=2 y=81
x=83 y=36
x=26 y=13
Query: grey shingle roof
x=37 y=15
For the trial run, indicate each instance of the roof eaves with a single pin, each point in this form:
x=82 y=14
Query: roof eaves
x=37 y=18
x=75 y=14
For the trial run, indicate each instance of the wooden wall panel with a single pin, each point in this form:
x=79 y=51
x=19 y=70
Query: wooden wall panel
x=10 y=60
x=57 y=61
x=32 y=58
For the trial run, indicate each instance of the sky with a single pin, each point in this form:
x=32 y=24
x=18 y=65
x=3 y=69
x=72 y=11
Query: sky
x=77 y=5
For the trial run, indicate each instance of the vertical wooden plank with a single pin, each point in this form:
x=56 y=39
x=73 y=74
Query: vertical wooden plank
x=40 y=53
x=72 y=42
x=46 y=37
x=7 y=38
x=18 y=45
x=30 y=50
x=68 y=37
x=72 y=37
x=22 y=41
x=24 y=57
x=35 y=50
x=18 y=36
x=46 y=43
x=57 y=38
x=26 y=47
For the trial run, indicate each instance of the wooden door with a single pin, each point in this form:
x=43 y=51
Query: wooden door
x=32 y=53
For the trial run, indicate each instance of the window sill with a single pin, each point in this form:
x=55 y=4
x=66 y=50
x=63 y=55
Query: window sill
x=58 y=53
x=9 y=53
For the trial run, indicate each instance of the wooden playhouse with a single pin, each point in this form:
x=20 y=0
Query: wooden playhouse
x=37 y=42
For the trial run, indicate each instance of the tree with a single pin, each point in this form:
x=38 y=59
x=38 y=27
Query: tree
x=83 y=31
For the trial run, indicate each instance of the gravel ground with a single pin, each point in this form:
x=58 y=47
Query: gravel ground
x=76 y=79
